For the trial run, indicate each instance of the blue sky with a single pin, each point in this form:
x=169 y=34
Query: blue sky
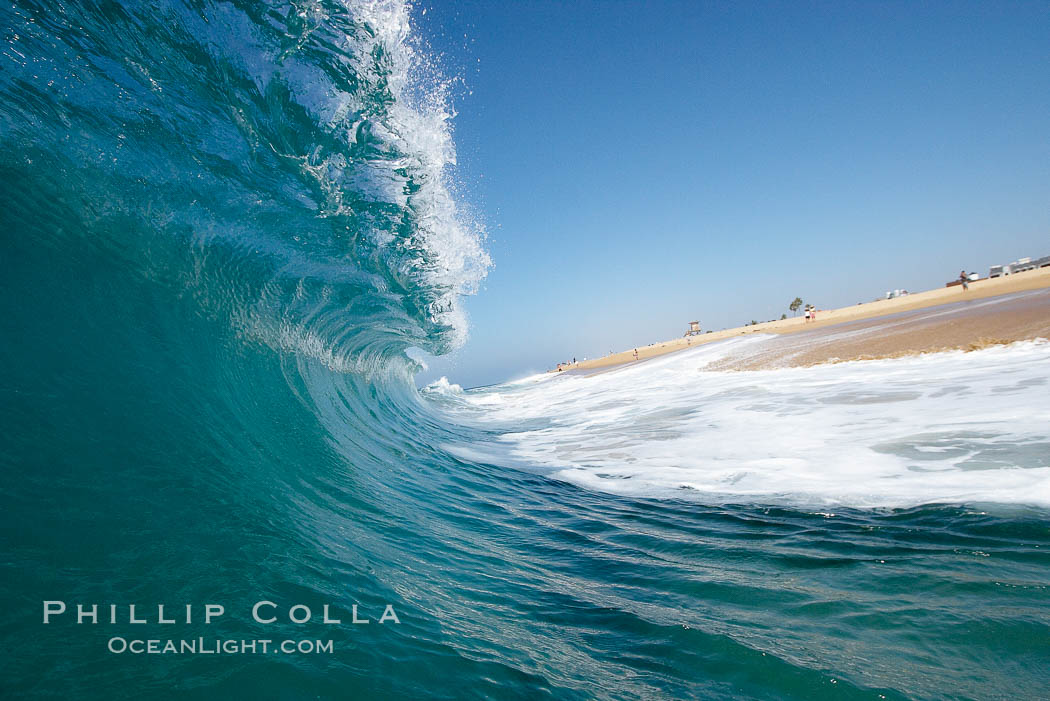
x=641 y=165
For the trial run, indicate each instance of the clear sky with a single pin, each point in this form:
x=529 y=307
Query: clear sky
x=641 y=165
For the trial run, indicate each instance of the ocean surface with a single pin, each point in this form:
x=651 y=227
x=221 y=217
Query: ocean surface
x=225 y=223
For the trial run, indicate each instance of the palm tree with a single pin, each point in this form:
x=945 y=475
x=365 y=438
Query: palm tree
x=794 y=306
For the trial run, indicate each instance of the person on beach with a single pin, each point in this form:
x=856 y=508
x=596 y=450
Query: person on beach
x=813 y=314
x=807 y=315
x=636 y=354
x=965 y=280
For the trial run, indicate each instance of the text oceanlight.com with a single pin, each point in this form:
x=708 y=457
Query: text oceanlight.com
x=202 y=646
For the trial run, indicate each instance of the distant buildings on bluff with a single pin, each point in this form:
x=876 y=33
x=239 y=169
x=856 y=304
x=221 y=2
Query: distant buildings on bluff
x=1018 y=266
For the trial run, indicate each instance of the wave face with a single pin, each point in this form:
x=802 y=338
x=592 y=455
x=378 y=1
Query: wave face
x=223 y=225
x=292 y=162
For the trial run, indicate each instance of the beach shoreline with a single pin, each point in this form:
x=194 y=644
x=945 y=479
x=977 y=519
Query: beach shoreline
x=905 y=336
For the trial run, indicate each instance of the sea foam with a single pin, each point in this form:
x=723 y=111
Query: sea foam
x=945 y=427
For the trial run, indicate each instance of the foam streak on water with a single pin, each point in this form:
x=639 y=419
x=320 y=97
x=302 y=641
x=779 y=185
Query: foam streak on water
x=948 y=427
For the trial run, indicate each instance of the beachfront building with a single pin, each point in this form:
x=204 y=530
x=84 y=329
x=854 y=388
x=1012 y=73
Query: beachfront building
x=1019 y=266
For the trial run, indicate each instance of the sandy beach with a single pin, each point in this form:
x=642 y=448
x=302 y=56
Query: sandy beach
x=992 y=310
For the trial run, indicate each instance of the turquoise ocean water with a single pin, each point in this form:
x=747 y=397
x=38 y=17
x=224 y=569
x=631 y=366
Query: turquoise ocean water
x=223 y=224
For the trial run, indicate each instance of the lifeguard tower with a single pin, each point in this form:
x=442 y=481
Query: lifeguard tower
x=694 y=329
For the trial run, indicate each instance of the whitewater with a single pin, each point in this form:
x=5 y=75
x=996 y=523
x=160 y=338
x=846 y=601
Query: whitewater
x=944 y=427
